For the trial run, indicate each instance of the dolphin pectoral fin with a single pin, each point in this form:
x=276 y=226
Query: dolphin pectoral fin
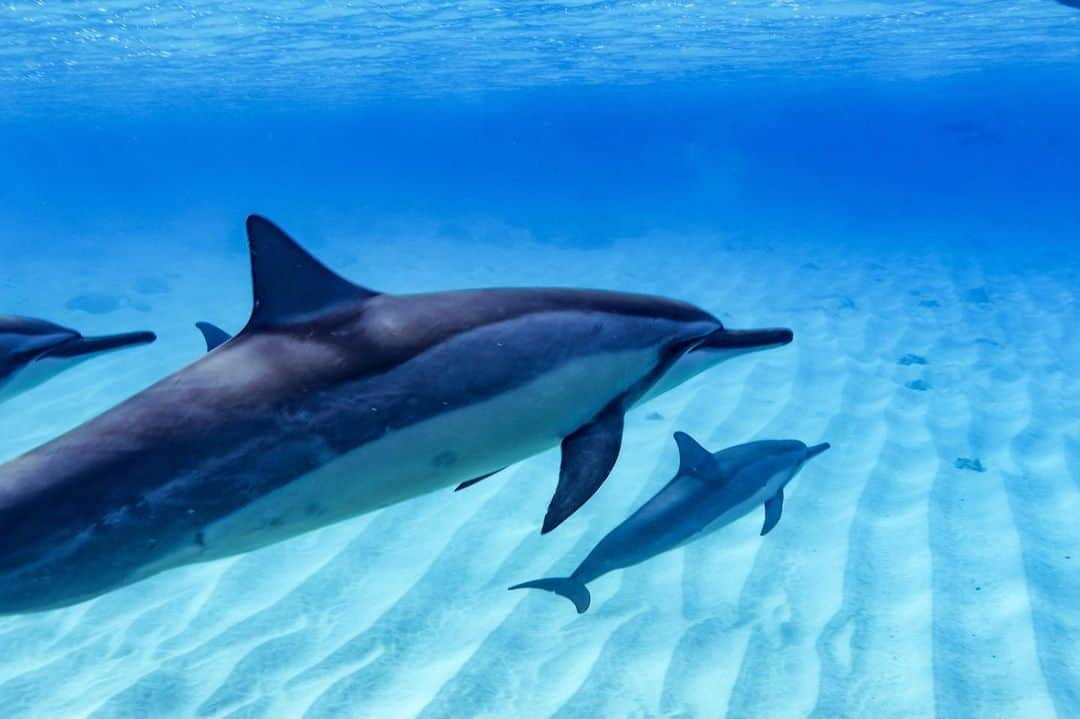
x=773 y=507
x=214 y=335
x=474 y=480
x=588 y=456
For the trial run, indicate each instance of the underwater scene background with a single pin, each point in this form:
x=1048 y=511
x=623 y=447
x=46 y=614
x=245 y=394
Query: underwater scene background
x=897 y=183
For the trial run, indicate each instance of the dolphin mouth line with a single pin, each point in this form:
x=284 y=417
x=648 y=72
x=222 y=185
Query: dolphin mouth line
x=726 y=339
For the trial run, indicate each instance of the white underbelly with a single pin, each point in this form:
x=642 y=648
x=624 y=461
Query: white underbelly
x=737 y=512
x=446 y=449
x=36 y=373
x=756 y=501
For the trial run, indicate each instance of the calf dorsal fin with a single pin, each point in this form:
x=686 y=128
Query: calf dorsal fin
x=694 y=459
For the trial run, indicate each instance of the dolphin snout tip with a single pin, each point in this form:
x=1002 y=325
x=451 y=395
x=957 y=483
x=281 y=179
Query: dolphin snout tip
x=817 y=449
x=769 y=337
x=727 y=339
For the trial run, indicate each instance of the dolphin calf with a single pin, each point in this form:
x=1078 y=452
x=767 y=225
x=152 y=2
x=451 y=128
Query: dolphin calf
x=335 y=400
x=33 y=351
x=709 y=491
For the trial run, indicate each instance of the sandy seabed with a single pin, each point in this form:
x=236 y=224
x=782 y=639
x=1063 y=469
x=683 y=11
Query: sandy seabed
x=928 y=565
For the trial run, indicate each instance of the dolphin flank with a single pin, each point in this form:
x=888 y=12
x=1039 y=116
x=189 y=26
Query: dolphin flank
x=335 y=400
x=33 y=351
x=708 y=492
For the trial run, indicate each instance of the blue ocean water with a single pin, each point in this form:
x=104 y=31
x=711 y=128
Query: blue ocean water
x=895 y=182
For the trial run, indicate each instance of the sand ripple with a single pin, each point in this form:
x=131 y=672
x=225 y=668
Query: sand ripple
x=928 y=565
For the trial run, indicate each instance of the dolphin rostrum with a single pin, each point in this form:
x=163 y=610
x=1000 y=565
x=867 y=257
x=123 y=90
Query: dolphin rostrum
x=335 y=400
x=709 y=491
x=34 y=351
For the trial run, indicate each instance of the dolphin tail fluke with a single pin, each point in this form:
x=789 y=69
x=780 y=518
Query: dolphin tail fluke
x=79 y=346
x=572 y=589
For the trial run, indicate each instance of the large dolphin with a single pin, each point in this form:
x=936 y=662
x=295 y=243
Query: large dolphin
x=709 y=491
x=34 y=351
x=336 y=400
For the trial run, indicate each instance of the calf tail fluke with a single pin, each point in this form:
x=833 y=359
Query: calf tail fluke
x=567 y=587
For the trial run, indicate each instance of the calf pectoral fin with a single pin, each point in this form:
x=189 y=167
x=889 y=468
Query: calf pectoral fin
x=773 y=507
x=588 y=456
x=474 y=480
x=569 y=587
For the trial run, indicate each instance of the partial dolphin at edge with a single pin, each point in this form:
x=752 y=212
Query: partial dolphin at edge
x=33 y=351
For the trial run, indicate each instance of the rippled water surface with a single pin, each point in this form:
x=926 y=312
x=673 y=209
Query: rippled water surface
x=139 y=52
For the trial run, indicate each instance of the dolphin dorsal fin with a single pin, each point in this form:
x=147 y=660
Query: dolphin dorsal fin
x=692 y=456
x=288 y=282
x=214 y=335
